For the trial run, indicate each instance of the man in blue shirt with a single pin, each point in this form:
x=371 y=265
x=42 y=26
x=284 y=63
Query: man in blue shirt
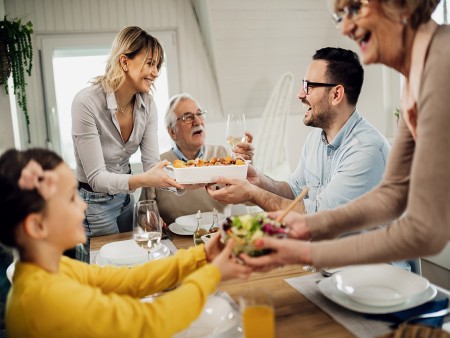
x=342 y=160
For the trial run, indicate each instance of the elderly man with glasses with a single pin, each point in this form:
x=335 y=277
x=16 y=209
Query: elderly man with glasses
x=185 y=123
x=342 y=159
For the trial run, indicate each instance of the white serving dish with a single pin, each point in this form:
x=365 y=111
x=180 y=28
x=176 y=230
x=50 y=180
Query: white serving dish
x=189 y=222
x=208 y=174
x=124 y=252
x=379 y=284
x=216 y=320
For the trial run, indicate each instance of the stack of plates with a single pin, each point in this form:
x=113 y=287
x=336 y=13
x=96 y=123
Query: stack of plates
x=128 y=253
x=186 y=225
x=218 y=319
x=379 y=288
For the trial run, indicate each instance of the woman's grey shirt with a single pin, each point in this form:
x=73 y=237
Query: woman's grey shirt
x=102 y=157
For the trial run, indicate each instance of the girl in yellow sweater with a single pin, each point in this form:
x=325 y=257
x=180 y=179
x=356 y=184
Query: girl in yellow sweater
x=55 y=296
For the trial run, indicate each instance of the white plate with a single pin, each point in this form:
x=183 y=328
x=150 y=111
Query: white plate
x=329 y=290
x=216 y=320
x=124 y=252
x=179 y=230
x=162 y=252
x=208 y=174
x=189 y=222
x=10 y=271
x=379 y=284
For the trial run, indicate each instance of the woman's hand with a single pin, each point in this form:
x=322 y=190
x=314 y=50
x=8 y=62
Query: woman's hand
x=230 y=267
x=283 y=252
x=156 y=177
x=296 y=223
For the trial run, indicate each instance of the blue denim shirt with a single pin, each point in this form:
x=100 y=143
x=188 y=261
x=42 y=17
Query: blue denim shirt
x=348 y=167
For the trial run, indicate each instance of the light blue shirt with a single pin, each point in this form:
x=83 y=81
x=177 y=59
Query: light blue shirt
x=181 y=156
x=348 y=167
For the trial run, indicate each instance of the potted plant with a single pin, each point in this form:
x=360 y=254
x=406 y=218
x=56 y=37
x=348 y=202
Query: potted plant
x=16 y=57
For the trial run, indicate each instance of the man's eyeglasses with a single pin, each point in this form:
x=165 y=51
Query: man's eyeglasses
x=189 y=117
x=350 y=11
x=308 y=84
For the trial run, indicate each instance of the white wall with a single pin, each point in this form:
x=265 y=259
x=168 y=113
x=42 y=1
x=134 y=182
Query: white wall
x=6 y=127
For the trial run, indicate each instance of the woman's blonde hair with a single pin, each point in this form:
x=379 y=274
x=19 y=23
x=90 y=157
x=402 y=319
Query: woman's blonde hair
x=129 y=42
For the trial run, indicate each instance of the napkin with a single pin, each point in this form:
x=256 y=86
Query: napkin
x=438 y=303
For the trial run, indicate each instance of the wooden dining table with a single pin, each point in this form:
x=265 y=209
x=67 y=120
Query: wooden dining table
x=295 y=315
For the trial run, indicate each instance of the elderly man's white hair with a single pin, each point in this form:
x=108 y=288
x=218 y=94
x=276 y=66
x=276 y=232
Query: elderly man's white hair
x=170 y=118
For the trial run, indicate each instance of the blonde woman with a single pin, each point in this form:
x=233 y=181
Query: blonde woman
x=112 y=119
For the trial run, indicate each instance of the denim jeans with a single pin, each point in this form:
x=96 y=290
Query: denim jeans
x=107 y=214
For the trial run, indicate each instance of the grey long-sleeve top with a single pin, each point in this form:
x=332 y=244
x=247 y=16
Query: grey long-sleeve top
x=102 y=157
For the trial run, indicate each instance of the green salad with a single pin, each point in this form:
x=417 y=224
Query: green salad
x=246 y=229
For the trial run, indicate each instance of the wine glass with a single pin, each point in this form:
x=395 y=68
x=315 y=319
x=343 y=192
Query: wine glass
x=235 y=130
x=147 y=228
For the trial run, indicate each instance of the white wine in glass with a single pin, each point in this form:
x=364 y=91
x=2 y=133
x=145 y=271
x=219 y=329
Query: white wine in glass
x=235 y=130
x=147 y=228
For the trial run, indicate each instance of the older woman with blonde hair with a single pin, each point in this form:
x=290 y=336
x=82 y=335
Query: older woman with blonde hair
x=414 y=194
x=112 y=119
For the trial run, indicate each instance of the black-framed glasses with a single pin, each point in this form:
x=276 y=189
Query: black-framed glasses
x=189 y=117
x=308 y=84
x=351 y=11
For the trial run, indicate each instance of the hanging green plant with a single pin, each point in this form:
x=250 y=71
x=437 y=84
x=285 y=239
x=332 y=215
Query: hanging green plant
x=16 y=57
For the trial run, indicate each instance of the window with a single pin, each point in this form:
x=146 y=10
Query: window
x=69 y=63
x=440 y=15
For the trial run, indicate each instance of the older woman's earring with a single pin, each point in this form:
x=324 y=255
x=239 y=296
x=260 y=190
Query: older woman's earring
x=125 y=69
x=404 y=20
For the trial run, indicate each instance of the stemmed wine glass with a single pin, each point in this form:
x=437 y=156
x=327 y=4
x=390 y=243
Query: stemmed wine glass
x=235 y=130
x=147 y=227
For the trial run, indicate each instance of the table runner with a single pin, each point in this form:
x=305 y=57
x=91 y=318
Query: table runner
x=352 y=321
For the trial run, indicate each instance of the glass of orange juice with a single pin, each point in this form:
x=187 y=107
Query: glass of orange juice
x=258 y=314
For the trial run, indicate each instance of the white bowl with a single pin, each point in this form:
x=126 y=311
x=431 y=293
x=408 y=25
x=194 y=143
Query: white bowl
x=189 y=222
x=379 y=284
x=216 y=319
x=208 y=174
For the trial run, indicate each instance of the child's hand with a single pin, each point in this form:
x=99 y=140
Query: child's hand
x=230 y=266
x=214 y=247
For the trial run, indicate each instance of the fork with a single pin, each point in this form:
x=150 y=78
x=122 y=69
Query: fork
x=440 y=313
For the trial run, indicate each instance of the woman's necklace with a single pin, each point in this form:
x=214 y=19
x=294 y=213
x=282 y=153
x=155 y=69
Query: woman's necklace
x=120 y=108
